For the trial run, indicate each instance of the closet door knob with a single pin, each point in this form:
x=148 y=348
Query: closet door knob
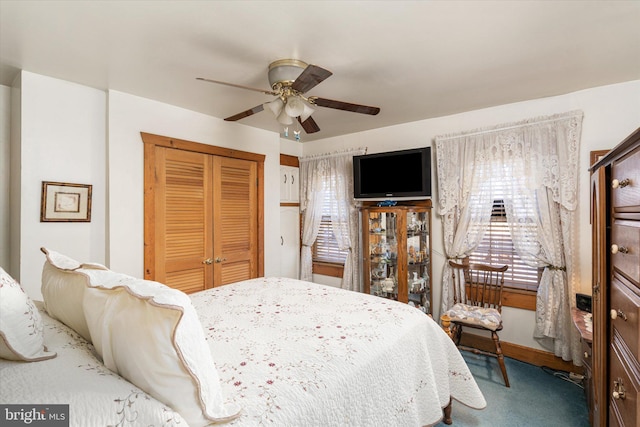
x=208 y=261
x=218 y=259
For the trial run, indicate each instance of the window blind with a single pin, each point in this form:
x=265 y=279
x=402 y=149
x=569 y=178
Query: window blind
x=497 y=248
x=326 y=249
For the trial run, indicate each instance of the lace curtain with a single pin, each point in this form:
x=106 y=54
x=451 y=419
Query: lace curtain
x=535 y=164
x=330 y=175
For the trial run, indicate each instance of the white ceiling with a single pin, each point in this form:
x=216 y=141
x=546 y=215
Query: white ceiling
x=413 y=59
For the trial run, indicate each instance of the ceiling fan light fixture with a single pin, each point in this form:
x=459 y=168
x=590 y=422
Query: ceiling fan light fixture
x=284 y=119
x=285 y=71
x=294 y=107
x=308 y=111
x=275 y=106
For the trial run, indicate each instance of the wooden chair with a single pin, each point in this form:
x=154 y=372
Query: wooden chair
x=477 y=297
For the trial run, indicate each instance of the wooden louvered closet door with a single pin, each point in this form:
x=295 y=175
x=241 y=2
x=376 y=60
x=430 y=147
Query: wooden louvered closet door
x=184 y=236
x=202 y=215
x=234 y=225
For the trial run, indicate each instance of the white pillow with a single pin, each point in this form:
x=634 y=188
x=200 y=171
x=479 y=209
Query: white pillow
x=150 y=334
x=63 y=290
x=60 y=261
x=21 y=330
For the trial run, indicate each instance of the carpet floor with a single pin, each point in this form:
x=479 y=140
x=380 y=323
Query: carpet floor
x=538 y=397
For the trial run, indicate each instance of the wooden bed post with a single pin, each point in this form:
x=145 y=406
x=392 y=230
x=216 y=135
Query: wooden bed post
x=446 y=411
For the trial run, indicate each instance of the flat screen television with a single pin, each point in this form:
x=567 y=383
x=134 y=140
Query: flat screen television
x=393 y=175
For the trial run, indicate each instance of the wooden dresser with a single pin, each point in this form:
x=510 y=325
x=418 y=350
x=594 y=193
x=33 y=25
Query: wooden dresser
x=615 y=218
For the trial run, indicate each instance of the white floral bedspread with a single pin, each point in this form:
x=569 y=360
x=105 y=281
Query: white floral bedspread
x=295 y=353
x=95 y=395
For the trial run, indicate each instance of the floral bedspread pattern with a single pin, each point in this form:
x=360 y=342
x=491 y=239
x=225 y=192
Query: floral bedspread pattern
x=291 y=352
x=95 y=395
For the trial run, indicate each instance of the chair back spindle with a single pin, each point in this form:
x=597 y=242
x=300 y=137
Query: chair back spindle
x=478 y=284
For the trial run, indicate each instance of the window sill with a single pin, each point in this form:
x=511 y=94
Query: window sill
x=328 y=269
x=516 y=298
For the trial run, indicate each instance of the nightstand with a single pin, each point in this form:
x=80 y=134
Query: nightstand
x=583 y=322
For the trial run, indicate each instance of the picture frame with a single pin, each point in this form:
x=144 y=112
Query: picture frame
x=65 y=202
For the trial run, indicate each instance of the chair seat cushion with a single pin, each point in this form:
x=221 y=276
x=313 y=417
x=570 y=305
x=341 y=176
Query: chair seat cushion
x=488 y=318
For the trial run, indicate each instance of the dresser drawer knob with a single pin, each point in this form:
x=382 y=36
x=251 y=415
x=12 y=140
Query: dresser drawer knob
x=615 y=183
x=622 y=249
x=618 y=313
x=618 y=394
x=618 y=389
x=586 y=355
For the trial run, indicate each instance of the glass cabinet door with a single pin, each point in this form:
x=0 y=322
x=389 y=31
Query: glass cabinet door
x=397 y=253
x=383 y=254
x=418 y=260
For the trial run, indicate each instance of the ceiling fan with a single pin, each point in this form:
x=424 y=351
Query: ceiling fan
x=290 y=79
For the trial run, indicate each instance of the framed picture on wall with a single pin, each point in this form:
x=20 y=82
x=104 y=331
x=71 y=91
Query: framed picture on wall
x=64 y=202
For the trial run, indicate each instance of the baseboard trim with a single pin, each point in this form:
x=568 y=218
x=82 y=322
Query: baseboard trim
x=524 y=354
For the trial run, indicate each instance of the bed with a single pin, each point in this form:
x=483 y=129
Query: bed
x=76 y=377
x=267 y=351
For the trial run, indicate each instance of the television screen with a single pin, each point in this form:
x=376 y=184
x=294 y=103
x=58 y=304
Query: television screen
x=393 y=175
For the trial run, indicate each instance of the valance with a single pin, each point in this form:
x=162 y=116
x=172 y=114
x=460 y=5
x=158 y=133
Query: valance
x=545 y=147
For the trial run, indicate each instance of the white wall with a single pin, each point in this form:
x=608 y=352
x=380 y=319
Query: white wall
x=14 y=179
x=62 y=139
x=291 y=148
x=5 y=135
x=71 y=133
x=610 y=114
x=128 y=116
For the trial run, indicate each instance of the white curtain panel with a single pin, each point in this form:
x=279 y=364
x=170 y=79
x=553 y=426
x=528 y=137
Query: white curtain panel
x=533 y=166
x=330 y=175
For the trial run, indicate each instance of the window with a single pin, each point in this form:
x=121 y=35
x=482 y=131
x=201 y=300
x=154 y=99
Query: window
x=497 y=248
x=325 y=249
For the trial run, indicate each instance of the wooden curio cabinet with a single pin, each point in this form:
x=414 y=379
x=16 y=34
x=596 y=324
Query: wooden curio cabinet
x=397 y=252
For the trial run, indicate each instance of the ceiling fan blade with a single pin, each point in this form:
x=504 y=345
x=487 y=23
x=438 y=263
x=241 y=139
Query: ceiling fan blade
x=267 y=92
x=346 y=106
x=244 y=114
x=310 y=77
x=309 y=125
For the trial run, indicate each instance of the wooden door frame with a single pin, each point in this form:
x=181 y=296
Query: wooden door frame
x=152 y=141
